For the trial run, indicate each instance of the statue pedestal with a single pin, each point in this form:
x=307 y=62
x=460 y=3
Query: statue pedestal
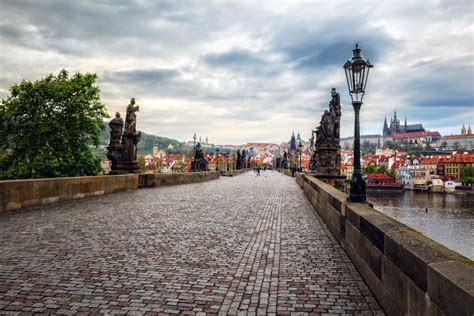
x=328 y=166
x=124 y=156
x=335 y=181
x=328 y=161
x=199 y=165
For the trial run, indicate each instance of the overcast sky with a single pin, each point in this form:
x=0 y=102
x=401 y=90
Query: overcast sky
x=250 y=70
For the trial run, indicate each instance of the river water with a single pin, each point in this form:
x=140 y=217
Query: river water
x=449 y=220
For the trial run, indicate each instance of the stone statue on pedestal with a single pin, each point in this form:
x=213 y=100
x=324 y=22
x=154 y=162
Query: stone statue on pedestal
x=199 y=162
x=116 y=128
x=326 y=158
x=238 y=165
x=123 y=154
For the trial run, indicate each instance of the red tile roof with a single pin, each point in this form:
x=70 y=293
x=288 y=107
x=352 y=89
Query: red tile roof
x=429 y=160
x=458 y=136
x=378 y=176
x=462 y=158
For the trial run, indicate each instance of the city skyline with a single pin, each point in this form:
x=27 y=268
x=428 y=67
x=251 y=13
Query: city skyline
x=240 y=72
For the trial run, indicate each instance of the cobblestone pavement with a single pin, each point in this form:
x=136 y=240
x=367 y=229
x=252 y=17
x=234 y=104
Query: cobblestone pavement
x=235 y=245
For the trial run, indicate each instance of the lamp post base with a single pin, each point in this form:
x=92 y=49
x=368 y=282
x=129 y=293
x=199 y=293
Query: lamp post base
x=357 y=189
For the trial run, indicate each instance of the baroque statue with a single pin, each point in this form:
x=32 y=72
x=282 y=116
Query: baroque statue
x=199 y=162
x=326 y=157
x=122 y=149
x=116 y=128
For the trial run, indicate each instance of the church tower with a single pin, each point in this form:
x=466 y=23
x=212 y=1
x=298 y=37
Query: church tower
x=394 y=124
x=469 y=130
x=463 y=130
x=385 y=128
x=293 y=141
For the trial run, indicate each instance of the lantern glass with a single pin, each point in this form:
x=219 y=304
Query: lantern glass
x=357 y=72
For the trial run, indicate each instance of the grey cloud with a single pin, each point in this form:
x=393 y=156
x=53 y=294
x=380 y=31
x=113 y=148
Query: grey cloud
x=330 y=44
x=166 y=48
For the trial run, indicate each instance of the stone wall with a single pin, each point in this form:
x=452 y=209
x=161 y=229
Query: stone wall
x=18 y=194
x=407 y=272
x=232 y=173
x=164 y=179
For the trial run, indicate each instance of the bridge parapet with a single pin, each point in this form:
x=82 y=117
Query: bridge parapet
x=407 y=272
x=18 y=194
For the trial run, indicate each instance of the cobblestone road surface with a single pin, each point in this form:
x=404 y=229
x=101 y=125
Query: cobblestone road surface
x=235 y=245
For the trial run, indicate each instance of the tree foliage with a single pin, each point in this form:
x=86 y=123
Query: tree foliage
x=48 y=127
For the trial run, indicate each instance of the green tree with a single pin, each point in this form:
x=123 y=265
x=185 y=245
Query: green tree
x=371 y=168
x=142 y=163
x=382 y=168
x=47 y=127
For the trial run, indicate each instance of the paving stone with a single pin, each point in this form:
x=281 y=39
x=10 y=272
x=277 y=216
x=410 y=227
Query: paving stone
x=240 y=245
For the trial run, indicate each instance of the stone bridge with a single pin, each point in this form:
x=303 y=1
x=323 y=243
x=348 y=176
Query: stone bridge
x=234 y=245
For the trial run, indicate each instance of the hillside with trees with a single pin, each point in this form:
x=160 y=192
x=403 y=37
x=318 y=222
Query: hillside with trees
x=146 y=144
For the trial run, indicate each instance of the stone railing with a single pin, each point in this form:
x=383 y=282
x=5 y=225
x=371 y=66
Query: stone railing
x=18 y=194
x=406 y=271
x=232 y=173
x=165 y=179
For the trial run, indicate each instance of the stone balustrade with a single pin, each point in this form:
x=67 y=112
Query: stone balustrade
x=18 y=194
x=407 y=272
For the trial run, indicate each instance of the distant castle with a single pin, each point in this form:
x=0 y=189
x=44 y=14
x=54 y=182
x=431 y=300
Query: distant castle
x=396 y=128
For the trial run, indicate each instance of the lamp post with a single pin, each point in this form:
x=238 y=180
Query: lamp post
x=217 y=159
x=357 y=72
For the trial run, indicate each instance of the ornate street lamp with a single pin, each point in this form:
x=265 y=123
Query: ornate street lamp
x=217 y=159
x=357 y=72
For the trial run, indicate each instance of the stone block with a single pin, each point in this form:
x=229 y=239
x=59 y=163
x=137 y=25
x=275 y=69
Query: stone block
x=50 y=200
x=375 y=225
x=354 y=237
x=32 y=202
x=418 y=302
x=412 y=252
x=451 y=286
x=355 y=210
x=333 y=220
x=373 y=256
x=12 y=206
x=396 y=284
x=387 y=302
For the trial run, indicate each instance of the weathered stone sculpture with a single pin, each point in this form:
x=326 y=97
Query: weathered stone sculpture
x=116 y=128
x=327 y=150
x=238 y=163
x=199 y=162
x=123 y=154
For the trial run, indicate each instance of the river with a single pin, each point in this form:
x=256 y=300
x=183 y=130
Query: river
x=449 y=220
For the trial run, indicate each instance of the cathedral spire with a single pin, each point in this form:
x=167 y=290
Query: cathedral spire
x=463 y=129
x=385 y=127
x=469 y=130
x=293 y=141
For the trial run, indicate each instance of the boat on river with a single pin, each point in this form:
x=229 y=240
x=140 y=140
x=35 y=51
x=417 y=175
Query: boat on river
x=380 y=182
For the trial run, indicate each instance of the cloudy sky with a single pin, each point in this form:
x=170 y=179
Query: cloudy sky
x=239 y=71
